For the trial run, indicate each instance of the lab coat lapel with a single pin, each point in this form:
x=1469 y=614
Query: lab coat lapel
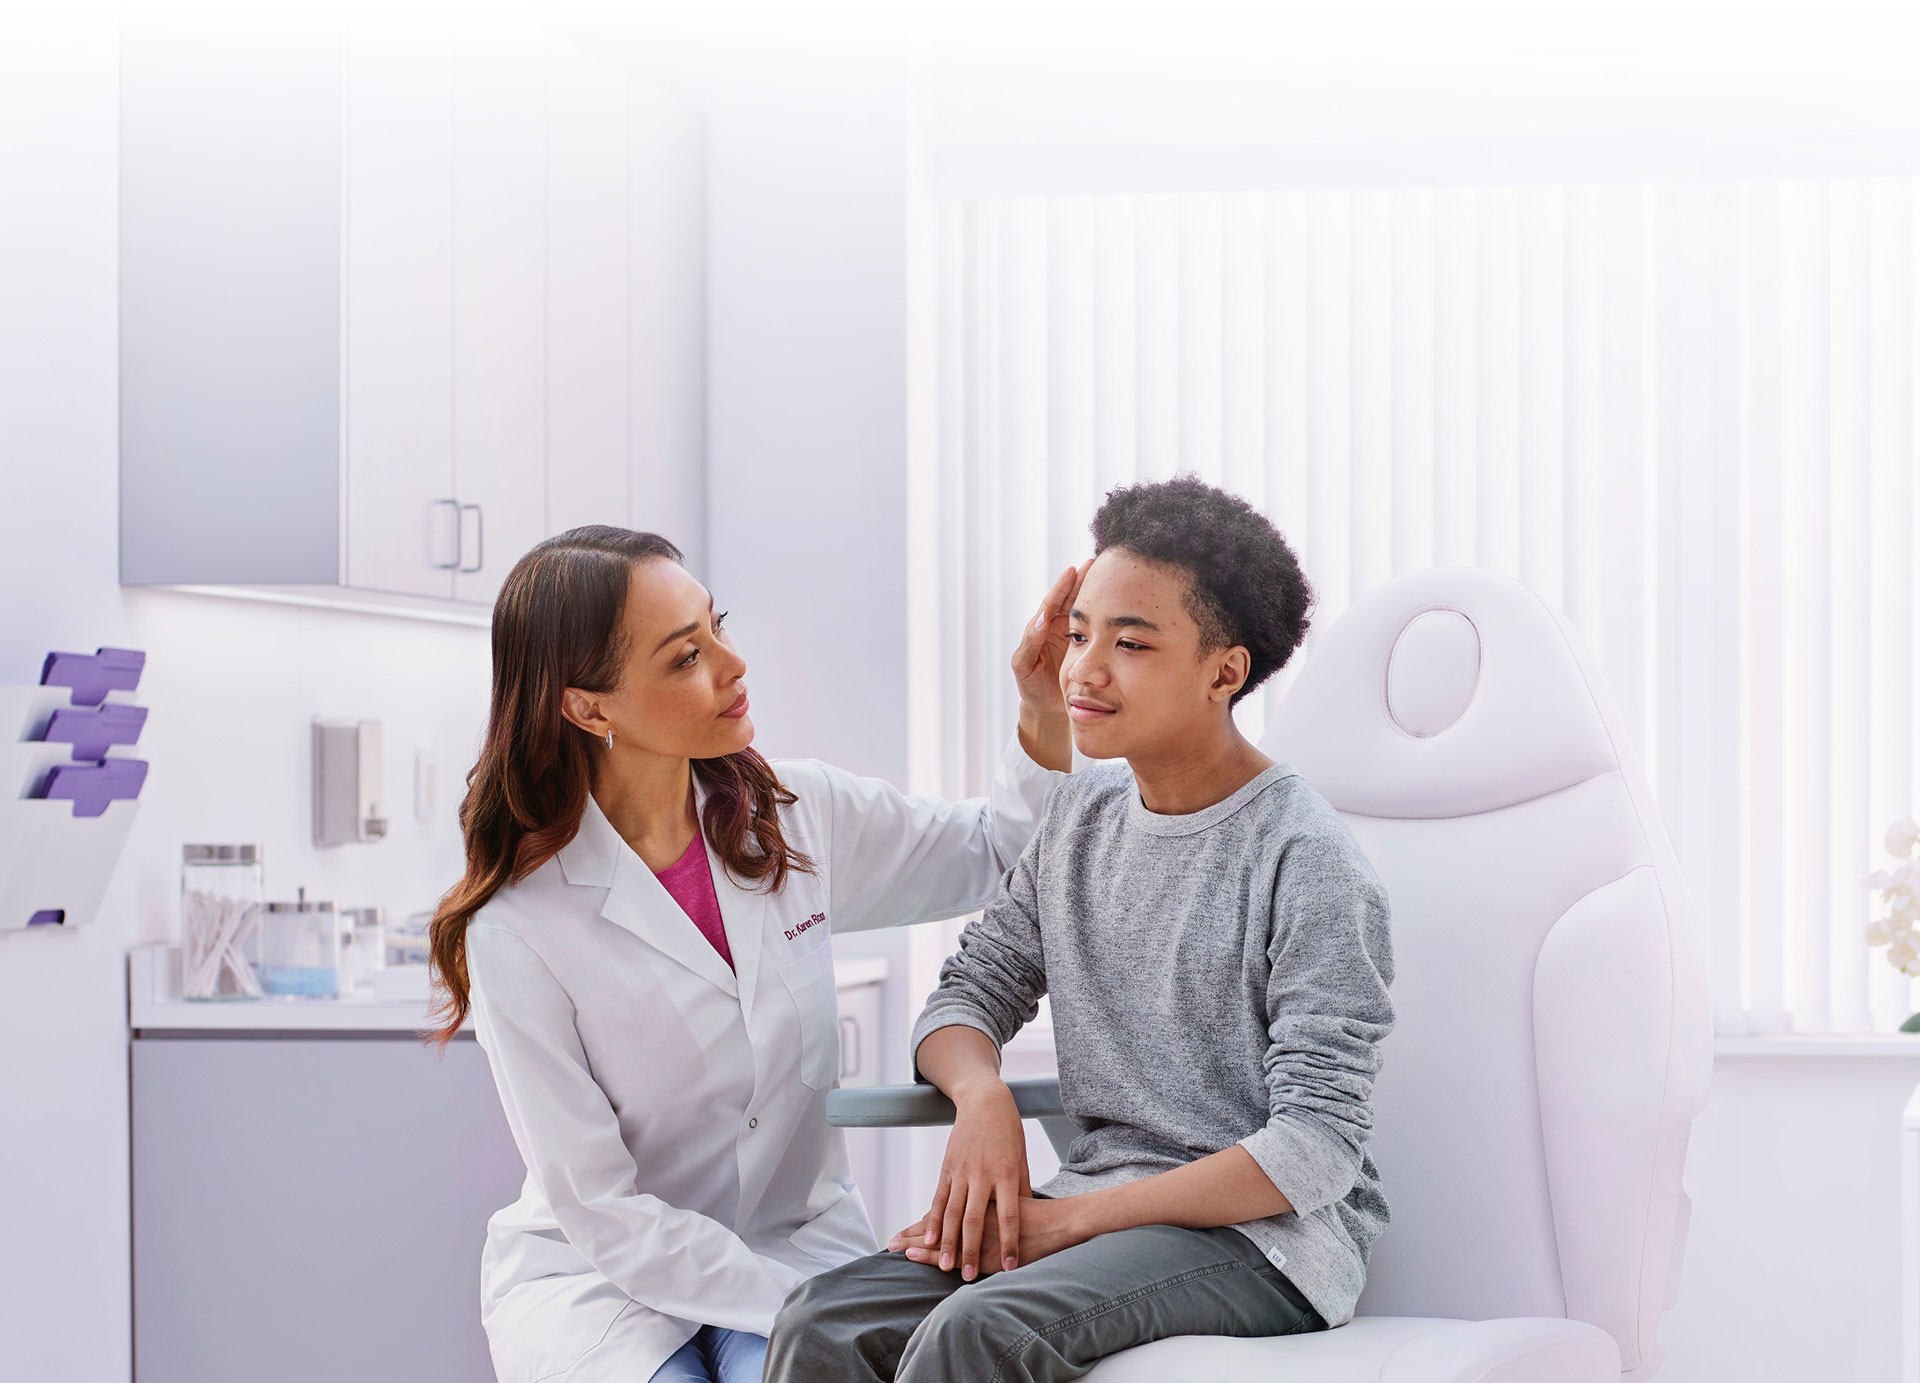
x=639 y=902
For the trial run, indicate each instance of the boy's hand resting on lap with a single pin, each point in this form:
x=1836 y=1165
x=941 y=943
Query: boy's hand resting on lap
x=986 y=1163
x=1046 y=1227
x=974 y=1221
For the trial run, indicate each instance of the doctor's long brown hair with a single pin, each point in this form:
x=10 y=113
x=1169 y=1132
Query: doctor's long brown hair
x=556 y=625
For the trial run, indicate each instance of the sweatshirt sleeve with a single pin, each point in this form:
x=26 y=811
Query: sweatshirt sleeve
x=674 y=1260
x=1327 y=1011
x=894 y=858
x=995 y=980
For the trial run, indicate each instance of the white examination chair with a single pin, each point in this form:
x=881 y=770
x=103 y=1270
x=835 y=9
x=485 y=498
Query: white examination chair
x=1553 y=1041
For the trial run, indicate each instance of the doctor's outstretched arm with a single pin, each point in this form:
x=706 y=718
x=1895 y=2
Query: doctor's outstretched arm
x=894 y=859
x=676 y=1261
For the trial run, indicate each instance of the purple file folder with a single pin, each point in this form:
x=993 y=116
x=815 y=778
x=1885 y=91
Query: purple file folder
x=90 y=787
x=93 y=675
x=92 y=730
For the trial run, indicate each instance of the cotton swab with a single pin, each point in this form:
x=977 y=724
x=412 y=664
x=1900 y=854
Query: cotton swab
x=213 y=932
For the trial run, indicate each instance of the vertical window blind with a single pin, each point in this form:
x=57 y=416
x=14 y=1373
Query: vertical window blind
x=1682 y=412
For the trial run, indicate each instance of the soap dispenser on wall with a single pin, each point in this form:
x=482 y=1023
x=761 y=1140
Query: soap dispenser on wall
x=346 y=782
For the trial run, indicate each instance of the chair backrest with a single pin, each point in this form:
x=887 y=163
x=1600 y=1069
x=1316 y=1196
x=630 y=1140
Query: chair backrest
x=1553 y=1038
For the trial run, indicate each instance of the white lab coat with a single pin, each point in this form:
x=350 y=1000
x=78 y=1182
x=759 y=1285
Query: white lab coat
x=672 y=1116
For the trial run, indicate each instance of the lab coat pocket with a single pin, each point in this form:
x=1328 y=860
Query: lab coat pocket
x=809 y=981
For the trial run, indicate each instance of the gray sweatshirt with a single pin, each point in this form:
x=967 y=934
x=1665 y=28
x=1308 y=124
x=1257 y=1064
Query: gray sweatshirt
x=1217 y=978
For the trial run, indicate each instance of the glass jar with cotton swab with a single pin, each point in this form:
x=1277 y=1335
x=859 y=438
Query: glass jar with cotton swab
x=220 y=891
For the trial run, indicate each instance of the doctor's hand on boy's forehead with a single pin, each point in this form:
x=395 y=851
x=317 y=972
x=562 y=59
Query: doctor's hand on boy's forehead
x=1043 y=643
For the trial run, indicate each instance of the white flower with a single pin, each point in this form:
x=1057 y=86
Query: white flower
x=1880 y=878
x=1907 y=874
x=1901 y=838
x=1912 y=967
x=1899 y=899
x=1877 y=933
x=1901 y=950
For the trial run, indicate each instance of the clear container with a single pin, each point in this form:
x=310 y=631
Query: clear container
x=300 y=949
x=363 y=936
x=220 y=890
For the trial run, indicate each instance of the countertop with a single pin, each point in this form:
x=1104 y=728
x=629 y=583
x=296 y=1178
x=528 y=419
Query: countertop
x=154 y=1005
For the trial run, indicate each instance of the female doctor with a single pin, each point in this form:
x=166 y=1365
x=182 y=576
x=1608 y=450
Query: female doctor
x=642 y=939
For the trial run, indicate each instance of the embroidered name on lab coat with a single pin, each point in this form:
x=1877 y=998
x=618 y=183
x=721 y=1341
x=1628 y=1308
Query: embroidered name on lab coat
x=793 y=933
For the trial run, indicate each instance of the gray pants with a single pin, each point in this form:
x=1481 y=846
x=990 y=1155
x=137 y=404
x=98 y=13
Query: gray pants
x=884 y=1318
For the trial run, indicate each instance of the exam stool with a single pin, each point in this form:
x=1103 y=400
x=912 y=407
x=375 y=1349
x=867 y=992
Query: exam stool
x=1553 y=1041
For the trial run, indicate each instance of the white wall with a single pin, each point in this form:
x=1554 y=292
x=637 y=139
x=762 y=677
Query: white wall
x=1190 y=79
x=63 y=1059
x=806 y=408
x=1793 y=1267
x=806 y=399
x=232 y=688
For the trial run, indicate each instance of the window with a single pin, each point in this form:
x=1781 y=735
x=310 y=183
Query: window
x=1681 y=411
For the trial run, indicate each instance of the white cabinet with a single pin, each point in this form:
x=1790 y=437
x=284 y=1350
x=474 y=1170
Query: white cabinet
x=586 y=295
x=230 y=258
x=499 y=308
x=398 y=304
x=312 y=1207
x=283 y=1204
x=399 y=218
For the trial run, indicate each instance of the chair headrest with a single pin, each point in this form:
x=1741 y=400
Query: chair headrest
x=1477 y=697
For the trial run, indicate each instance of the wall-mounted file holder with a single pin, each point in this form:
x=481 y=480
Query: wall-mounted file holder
x=70 y=778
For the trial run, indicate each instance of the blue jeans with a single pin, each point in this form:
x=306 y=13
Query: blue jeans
x=716 y=1356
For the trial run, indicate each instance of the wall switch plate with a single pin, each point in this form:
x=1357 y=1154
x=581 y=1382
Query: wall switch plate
x=346 y=782
x=426 y=783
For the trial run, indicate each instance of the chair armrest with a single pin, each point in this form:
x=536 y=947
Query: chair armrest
x=919 y=1106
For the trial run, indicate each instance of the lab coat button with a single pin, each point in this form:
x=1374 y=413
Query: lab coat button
x=753 y=1123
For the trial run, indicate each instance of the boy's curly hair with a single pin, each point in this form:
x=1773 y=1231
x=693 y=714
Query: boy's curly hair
x=1245 y=588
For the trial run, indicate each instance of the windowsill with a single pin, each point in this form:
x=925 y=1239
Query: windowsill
x=1820 y=1044
x=1036 y=1042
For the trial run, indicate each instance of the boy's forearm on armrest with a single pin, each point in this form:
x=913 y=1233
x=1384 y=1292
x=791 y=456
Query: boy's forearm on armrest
x=1226 y=1188
x=961 y=1061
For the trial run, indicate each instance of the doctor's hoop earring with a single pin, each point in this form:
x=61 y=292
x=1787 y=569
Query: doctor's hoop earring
x=609 y=739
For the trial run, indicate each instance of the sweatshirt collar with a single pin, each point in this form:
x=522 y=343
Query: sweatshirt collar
x=1191 y=823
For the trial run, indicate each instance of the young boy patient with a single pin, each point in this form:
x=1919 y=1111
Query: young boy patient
x=1217 y=952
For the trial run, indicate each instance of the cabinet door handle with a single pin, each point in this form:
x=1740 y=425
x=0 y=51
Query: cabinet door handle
x=454 y=565
x=849 y=1026
x=479 y=537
